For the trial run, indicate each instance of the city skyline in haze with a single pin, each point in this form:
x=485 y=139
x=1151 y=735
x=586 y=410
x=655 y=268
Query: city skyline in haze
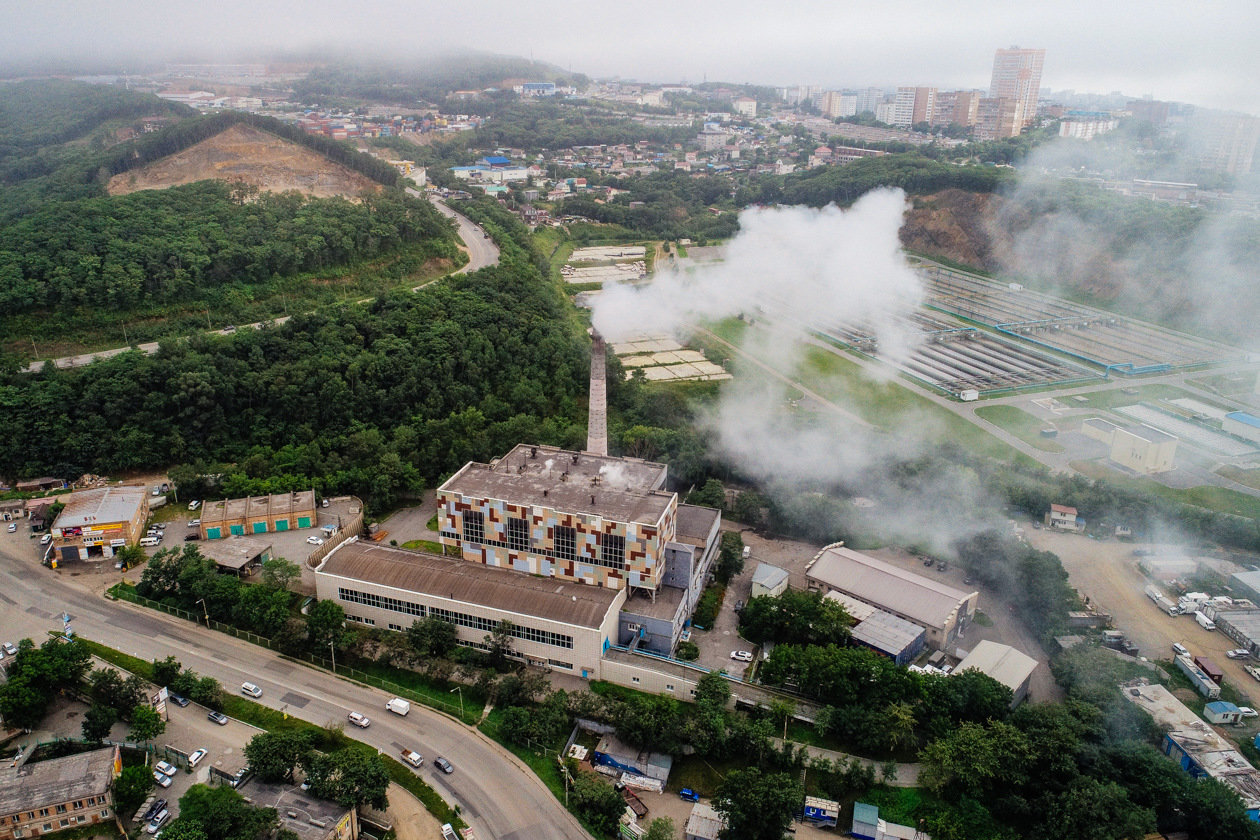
x=1166 y=50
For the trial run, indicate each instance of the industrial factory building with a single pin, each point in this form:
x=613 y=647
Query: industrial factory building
x=941 y=609
x=96 y=523
x=258 y=515
x=1196 y=747
x=900 y=640
x=555 y=624
x=1243 y=425
x=576 y=516
x=1140 y=448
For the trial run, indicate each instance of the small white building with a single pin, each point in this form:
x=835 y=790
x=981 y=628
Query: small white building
x=1064 y=518
x=1221 y=712
x=745 y=106
x=769 y=581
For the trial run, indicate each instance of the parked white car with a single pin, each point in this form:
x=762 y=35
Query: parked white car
x=742 y=655
x=314 y=540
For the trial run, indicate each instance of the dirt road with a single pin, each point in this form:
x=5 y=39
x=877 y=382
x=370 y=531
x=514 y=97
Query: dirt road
x=1107 y=573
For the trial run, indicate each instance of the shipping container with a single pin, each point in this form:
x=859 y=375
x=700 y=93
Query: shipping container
x=1210 y=668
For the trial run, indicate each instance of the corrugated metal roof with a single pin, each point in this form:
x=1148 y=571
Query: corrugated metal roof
x=1004 y=663
x=769 y=576
x=888 y=633
x=924 y=600
x=98 y=507
x=858 y=610
x=471 y=583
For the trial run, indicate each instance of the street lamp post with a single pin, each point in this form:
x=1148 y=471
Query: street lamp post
x=205 y=610
x=332 y=650
x=460 y=689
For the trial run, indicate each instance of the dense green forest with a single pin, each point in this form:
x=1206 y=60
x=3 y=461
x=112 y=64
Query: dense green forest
x=379 y=400
x=40 y=113
x=176 y=244
x=427 y=78
x=80 y=268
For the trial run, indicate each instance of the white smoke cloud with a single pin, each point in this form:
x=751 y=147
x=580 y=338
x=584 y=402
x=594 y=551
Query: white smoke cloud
x=790 y=267
x=802 y=265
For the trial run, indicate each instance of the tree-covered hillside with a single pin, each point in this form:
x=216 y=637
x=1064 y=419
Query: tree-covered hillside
x=427 y=78
x=82 y=269
x=377 y=401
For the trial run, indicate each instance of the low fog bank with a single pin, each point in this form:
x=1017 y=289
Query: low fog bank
x=1190 y=267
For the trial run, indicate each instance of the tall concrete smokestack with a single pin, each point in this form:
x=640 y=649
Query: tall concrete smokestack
x=597 y=422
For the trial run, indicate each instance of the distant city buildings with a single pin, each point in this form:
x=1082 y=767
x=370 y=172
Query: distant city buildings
x=913 y=105
x=1017 y=76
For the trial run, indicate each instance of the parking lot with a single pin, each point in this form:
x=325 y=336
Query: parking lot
x=187 y=730
x=717 y=644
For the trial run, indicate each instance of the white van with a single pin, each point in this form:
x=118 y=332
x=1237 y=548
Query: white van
x=1204 y=622
x=149 y=542
x=398 y=706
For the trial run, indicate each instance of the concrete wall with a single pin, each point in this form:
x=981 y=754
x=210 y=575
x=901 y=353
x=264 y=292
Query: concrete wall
x=679 y=683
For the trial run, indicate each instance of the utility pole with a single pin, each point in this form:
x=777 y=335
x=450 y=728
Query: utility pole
x=332 y=650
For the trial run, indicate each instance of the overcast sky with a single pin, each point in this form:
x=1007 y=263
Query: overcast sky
x=1202 y=51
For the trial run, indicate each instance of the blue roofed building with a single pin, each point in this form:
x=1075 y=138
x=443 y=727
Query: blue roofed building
x=495 y=160
x=1243 y=425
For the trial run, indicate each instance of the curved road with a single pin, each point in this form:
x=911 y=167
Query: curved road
x=482 y=252
x=498 y=795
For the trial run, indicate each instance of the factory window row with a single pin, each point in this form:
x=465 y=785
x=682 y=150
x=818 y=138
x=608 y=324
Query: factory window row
x=612 y=552
x=488 y=625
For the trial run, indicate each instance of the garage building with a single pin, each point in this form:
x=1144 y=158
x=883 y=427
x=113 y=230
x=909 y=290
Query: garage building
x=96 y=523
x=556 y=624
x=1003 y=663
x=258 y=515
x=941 y=609
x=241 y=556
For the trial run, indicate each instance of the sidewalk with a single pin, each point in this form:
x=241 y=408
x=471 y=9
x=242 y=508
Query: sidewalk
x=907 y=774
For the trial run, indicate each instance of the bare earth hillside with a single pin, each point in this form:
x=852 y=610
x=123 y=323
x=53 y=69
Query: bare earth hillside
x=245 y=154
x=953 y=224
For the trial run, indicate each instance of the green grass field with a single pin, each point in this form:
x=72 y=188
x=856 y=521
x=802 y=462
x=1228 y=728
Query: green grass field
x=1117 y=397
x=1019 y=423
x=1213 y=498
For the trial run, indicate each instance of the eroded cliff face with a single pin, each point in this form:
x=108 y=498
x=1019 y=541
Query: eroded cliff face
x=955 y=225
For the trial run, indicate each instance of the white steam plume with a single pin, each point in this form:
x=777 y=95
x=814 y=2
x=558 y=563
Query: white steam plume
x=799 y=265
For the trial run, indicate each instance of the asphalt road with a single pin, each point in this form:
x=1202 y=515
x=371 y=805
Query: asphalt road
x=497 y=794
x=482 y=252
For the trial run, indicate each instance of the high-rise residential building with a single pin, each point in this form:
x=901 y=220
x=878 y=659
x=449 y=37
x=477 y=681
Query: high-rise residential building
x=1152 y=111
x=869 y=99
x=884 y=112
x=997 y=118
x=913 y=105
x=1225 y=142
x=959 y=107
x=1017 y=76
x=836 y=104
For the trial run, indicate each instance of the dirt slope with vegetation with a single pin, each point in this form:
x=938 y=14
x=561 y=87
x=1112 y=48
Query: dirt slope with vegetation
x=245 y=154
x=955 y=225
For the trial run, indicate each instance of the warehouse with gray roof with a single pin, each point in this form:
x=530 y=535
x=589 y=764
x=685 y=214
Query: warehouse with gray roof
x=555 y=623
x=939 y=608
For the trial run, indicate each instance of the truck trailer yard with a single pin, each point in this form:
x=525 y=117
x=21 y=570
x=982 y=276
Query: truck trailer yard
x=1107 y=573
